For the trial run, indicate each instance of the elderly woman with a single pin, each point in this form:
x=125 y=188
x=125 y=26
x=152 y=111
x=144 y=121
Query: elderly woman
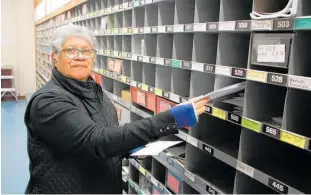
x=75 y=144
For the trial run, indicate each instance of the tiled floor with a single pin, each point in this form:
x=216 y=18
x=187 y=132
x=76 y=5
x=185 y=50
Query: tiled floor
x=14 y=157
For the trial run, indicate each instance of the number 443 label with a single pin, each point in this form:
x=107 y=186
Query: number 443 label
x=277 y=186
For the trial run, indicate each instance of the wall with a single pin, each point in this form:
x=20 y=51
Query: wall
x=18 y=42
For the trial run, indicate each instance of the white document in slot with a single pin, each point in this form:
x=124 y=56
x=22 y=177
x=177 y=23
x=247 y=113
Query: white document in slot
x=155 y=148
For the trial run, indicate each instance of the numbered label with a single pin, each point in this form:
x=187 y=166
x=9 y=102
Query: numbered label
x=151 y=89
x=277 y=79
x=189 y=27
x=283 y=24
x=208 y=149
x=140 y=58
x=187 y=65
x=167 y=62
x=238 y=72
x=271 y=131
x=153 y=60
x=170 y=161
x=166 y=94
x=283 y=189
x=211 y=190
x=209 y=68
x=209 y=109
x=234 y=118
x=243 y=25
x=212 y=26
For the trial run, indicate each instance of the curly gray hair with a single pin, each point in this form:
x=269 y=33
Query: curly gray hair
x=70 y=30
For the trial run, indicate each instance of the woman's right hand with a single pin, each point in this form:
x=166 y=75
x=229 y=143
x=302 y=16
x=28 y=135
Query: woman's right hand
x=187 y=113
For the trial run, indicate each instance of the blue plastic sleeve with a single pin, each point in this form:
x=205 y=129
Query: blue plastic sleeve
x=136 y=149
x=184 y=115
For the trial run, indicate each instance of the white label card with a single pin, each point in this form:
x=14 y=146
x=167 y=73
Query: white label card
x=160 y=61
x=200 y=27
x=197 y=66
x=134 y=57
x=192 y=141
x=244 y=168
x=175 y=98
x=146 y=59
x=262 y=25
x=147 y=30
x=182 y=135
x=179 y=28
x=271 y=53
x=133 y=83
x=161 y=29
x=299 y=82
x=189 y=175
x=154 y=181
x=223 y=70
x=125 y=5
x=227 y=26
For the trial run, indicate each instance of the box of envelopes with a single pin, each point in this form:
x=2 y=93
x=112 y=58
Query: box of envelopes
x=126 y=95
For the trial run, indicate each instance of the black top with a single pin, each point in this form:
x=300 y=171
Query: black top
x=74 y=142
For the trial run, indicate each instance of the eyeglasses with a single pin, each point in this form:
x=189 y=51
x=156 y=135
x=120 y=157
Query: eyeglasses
x=74 y=52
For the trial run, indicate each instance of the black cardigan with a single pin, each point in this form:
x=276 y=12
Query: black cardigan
x=74 y=142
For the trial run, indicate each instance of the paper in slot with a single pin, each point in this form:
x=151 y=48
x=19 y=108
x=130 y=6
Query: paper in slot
x=222 y=92
x=154 y=148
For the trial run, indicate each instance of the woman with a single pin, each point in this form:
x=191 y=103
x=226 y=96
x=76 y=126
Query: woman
x=74 y=142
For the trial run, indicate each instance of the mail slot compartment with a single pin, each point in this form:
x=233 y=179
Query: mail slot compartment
x=143 y=98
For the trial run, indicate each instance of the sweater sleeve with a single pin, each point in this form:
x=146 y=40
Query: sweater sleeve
x=61 y=124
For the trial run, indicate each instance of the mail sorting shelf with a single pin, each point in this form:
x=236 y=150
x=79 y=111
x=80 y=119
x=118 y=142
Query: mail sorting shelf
x=265 y=98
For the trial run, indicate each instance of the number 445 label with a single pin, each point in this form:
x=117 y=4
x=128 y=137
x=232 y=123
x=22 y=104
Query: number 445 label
x=277 y=186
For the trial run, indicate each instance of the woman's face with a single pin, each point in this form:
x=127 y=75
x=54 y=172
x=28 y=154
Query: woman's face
x=78 y=68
